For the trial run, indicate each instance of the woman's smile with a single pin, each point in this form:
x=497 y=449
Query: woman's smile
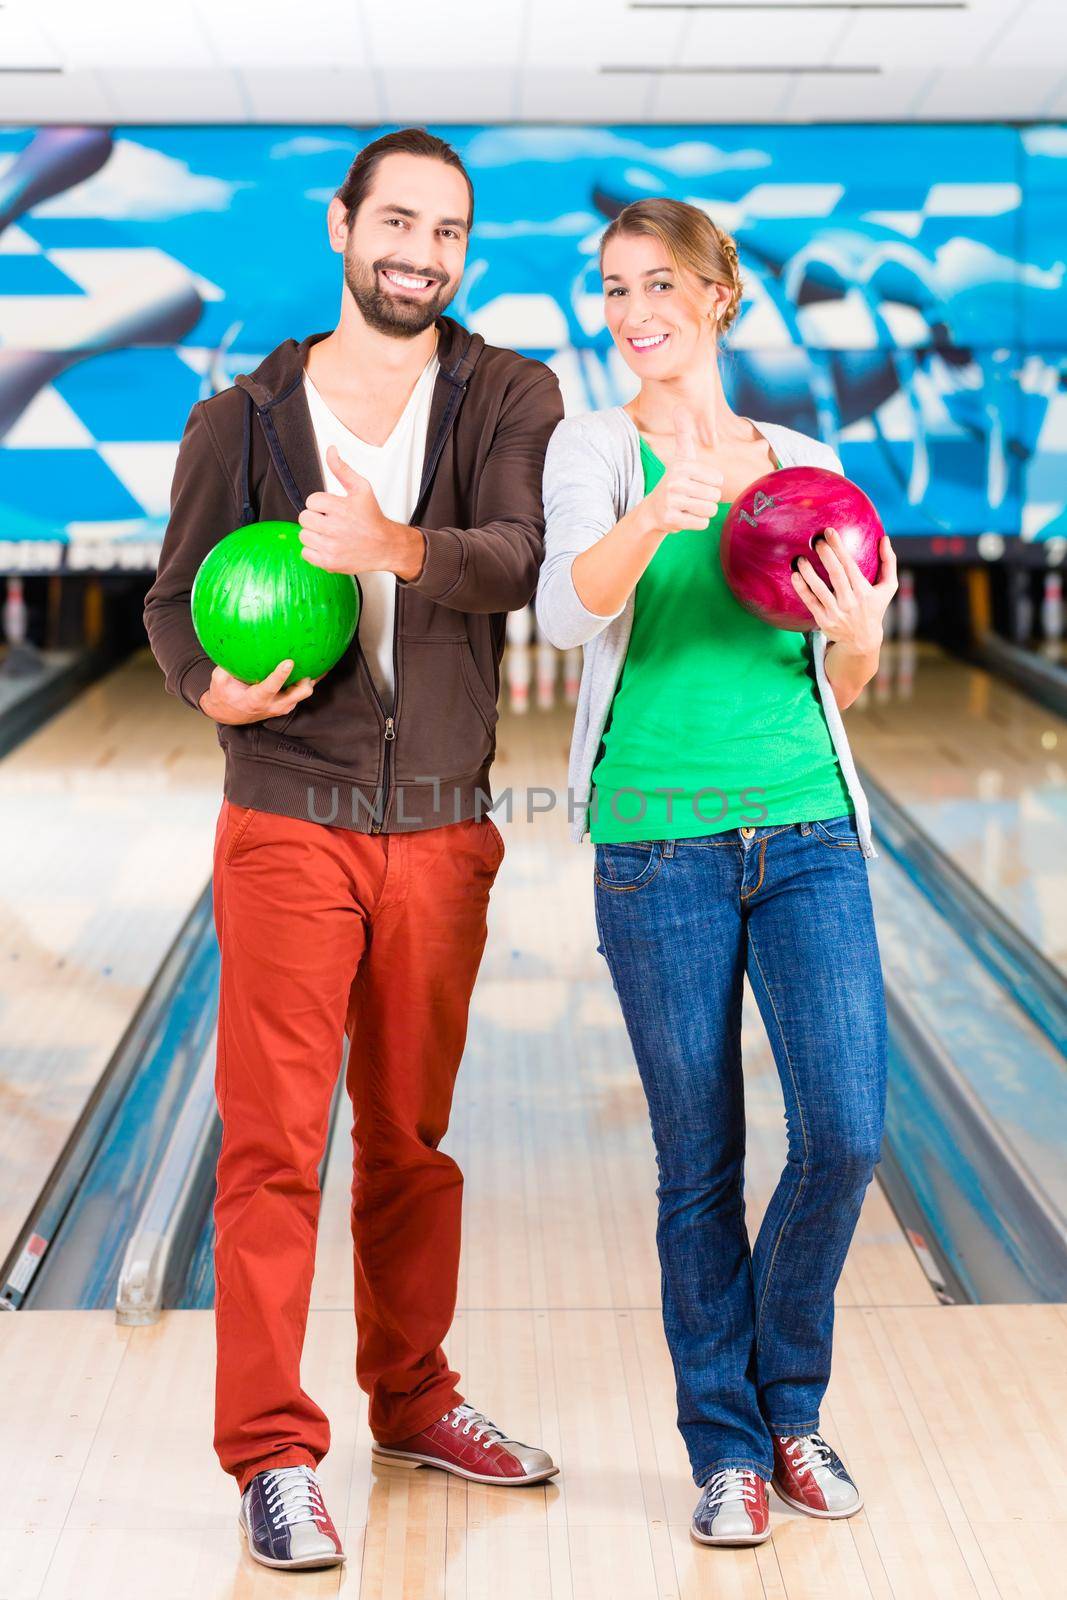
x=648 y=341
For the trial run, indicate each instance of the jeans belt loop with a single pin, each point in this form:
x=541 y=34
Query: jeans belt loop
x=667 y=848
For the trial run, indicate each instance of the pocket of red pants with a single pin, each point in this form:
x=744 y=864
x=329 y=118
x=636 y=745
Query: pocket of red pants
x=496 y=836
x=238 y=822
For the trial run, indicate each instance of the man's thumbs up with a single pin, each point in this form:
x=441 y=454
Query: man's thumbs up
x=345 y=475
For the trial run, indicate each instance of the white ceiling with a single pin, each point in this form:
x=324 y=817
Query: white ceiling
x=361 y=62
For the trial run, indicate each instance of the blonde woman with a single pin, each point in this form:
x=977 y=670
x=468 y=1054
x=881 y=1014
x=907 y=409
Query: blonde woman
x=711 y=769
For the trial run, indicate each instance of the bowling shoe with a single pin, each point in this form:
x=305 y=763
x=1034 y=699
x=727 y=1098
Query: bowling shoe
x=812 y=1478
x=732 y=1509
x=285 y=1521
x=465 y=1442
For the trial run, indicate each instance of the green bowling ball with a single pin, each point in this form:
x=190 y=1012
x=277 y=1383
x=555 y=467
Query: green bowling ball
x=257 y=602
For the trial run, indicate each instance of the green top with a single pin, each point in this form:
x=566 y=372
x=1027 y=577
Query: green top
x=711 y=703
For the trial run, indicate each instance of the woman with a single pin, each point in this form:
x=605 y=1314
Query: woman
x=711 y=768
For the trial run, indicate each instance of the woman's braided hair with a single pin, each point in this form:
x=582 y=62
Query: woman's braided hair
x=691 y=238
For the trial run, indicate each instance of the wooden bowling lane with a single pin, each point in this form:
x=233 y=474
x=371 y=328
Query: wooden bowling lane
x=982 y=769
x=948 y=1416
x=107 y=814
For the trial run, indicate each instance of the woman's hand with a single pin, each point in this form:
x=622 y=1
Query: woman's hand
x=689 y=491
x=851 y=612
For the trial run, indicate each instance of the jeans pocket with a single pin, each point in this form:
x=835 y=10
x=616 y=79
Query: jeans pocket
x=623 y=867
x=839 y=833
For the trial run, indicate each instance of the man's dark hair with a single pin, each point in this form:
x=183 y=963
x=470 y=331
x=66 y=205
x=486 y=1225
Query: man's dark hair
x=406 y=141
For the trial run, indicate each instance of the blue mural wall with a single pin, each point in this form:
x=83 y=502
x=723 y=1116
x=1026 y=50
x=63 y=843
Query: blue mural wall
x=905 y=301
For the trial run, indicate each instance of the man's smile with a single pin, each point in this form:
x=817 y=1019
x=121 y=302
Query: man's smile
x=410 y=282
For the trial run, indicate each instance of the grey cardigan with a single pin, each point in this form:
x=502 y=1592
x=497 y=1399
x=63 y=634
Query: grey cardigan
x=593 y=476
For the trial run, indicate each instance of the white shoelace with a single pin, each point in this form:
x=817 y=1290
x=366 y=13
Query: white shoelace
x=733 y=1485
x=293 y=1494
x=474 y=1421
x=811 y=1451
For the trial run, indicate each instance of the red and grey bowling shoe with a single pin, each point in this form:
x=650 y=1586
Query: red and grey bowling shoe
x=732 y=1509
x=811 y=1477
x=465 y=1442
x=285 y=1521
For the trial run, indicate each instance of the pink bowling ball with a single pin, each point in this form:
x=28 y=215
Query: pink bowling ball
x=780 y=517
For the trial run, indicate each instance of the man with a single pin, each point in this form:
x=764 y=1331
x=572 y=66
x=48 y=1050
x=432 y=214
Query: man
x=352 y=863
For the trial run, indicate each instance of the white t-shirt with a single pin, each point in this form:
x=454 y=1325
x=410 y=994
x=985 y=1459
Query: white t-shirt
x=394 y=471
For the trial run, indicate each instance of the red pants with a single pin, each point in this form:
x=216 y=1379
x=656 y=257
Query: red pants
x=323 y=930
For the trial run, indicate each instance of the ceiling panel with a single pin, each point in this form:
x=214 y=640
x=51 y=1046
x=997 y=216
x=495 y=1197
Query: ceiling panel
x=939 y=38
x=567 y=33
x=23 y=43
x=709 y=98
x=535 y=60
x=888 y=98
x=551 y=96
x=321 y=33
x=425 y=94
x=1000 y=90
x=66 y=97
x=1039 y=32
x=737 y=38
x=447 y=38
x=116 y=33
x=137 y=94
x=348 y=95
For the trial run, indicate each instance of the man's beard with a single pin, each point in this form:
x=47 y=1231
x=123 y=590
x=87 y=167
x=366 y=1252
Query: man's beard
x=390 y=314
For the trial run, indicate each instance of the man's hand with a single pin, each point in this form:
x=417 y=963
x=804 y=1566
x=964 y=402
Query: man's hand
x=227 y=699
x=350 y=532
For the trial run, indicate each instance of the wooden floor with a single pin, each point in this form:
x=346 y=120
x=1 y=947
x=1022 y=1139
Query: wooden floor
x=953 y=1420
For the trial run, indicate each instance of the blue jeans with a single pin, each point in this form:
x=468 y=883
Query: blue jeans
x=680 y=923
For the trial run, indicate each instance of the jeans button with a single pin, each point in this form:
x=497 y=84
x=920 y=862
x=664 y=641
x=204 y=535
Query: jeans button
x=746 y=833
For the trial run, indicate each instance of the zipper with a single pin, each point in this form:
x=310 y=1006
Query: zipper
x=390 y=736
x=389 y=733
x=433 y=455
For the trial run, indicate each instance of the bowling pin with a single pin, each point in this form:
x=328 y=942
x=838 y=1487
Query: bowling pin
x=518 y=666
x=23 y=658
x=14 y=614
x=519 y=626
x=57 y=159
x=1020 y=605
x=54 y=160
x=129 y=314
x=547 y=665
x=1052 y=608
x=572 y=675
x=906 y=653
x=883 y=679
x=907 y=606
